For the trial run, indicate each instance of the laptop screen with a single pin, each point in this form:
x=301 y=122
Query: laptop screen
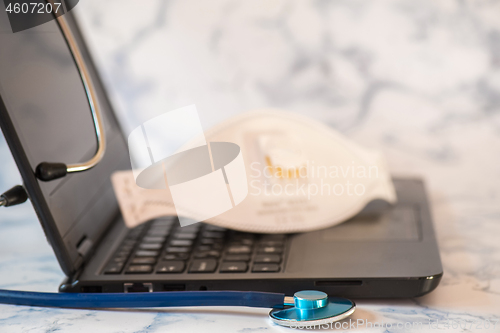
x=44 y=97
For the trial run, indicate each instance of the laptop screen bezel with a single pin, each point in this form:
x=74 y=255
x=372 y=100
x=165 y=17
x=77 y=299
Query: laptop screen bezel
x=66 y=252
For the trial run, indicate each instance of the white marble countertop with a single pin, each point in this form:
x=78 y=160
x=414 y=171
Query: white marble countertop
x=418 y=80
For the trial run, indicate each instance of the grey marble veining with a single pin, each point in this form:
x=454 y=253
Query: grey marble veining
x=418 y=80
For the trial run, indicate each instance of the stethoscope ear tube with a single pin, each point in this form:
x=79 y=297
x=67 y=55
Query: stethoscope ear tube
x=47 y=171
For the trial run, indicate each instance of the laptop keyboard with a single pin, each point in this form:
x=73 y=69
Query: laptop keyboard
x=161 y=246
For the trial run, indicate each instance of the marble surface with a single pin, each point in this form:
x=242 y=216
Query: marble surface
x=418 y=80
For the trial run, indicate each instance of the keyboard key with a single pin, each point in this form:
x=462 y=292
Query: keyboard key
x=189 y=235
x=237 y=257
x=213 y=234
x=239 y=249
x=159 y=231
x=270 y=258
x=216 y=246
x=210 y=241
x=144 y=253
x=181 y=242
x=264 y=268
x=273 y=237
x=203 y=266
x=114 y=268
x=160 y=227
x=233 y=267
x=270 y=249
x=150 y=246
x=144 y=260
x=139 y=269
x=176 y=256
x=153 y=239
x=245 y=241
x=170 y=267
x=119 y=259
x=201 y=248
x=242 y=236
x=207 y=254
x=174 y=249
x=278 y=243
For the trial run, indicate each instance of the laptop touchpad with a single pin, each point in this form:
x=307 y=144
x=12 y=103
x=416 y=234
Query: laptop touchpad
x=369 y=245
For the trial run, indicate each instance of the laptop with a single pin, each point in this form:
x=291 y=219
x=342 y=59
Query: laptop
x=44 y=116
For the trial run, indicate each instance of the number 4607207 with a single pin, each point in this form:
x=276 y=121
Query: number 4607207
x=32 y=7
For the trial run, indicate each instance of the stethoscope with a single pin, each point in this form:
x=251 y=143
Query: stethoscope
x=47 y=171
x=307 y=307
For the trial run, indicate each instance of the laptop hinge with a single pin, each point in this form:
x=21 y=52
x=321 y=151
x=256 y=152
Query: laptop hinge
x=84 y=247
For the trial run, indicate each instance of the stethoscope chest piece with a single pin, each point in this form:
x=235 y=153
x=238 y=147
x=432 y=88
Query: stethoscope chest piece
x=313 y=307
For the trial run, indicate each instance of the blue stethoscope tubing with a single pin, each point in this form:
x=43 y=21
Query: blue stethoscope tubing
x=140 y=300
x=307 y=306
